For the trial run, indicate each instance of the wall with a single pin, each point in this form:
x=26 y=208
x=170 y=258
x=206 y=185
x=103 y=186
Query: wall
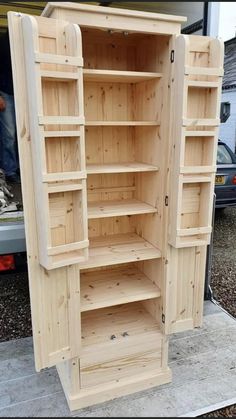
x=227 y=22
x=228 y=129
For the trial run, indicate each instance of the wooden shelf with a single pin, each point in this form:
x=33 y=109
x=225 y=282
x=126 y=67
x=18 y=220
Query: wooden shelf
x=204 y=71
x=121 y=123
x=58 y=59
x=192 y=231
x=117 y=324
x=119 y=248
x=197 y=178
x=118 y=76
x=203 y=84
x=199 y=133
x=64 y=188
x=61 y=120
x=49 y=75
x=63 y=176
x=131 y=167
x=196 y=122
x=63 y=134
x=112 y=287
x=104 y=209
x=189 y=170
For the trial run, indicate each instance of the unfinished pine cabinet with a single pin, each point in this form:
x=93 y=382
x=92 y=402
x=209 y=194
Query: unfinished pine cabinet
x=117 y=117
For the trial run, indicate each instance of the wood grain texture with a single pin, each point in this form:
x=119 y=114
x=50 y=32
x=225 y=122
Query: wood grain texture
x=115 y=286
x=125 y=158
x=56 y=326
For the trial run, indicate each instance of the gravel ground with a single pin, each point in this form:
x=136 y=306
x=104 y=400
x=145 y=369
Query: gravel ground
x=223 y=277
x=15 y=319
x=227 y=412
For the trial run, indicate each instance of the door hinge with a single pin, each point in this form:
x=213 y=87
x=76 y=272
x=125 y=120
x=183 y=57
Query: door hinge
x=172 y=56
x=163 y=318
x=166 y=201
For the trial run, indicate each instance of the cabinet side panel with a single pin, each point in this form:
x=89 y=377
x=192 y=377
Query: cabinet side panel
x=55 y=293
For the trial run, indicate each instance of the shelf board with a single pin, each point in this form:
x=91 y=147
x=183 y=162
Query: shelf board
x=60 y=120
x=188 y=170
x=118 y=324
x=204 y=71
x=49 y=75
x=112 y=287
x=117 y=76
x=196 y=122
x=199 y=133
x=197 y=178
x=64 y=188
x=118 y=248
x=104 y=209
x=120 y=168
x=56 y=134
x=121 y=123
x=191 y=231
x=203 y=84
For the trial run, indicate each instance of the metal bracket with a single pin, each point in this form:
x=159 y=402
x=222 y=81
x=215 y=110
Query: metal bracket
x=172 y=56
x=163 y=318
x=166 y=201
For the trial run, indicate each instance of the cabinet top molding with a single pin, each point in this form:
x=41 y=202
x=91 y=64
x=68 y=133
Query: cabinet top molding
x=115 y=18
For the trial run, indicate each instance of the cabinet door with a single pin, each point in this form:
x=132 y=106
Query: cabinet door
x=185 y=276
x=196 y=85
x=198 y=71
x=54 y=293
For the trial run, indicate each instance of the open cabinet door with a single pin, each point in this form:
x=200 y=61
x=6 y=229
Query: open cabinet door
x=197 y=78
x=47 y=54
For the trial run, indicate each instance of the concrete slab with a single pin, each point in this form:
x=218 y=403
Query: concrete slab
x=203 y=362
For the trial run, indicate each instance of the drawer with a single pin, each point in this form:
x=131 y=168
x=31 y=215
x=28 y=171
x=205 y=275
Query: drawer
x=124 y=358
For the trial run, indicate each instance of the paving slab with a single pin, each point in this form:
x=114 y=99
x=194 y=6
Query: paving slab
x=203 y=363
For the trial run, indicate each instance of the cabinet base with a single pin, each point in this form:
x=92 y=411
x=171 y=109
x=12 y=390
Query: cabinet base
x=104 y=392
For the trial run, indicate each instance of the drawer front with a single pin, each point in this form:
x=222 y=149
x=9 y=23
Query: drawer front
x=122 y=359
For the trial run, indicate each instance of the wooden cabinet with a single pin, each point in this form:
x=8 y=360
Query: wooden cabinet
x=117 y=117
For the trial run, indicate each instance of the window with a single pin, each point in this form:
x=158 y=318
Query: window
x=223 y=156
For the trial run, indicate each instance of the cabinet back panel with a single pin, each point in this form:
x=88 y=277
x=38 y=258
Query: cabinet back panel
x=198 y=151
x=122 y=101
x=115 y=51
x=105 y=145
x=109 y=145
x=148 y=145
x=109 y=226
x=110 y=186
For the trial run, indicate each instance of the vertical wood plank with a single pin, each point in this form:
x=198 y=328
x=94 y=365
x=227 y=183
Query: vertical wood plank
x=54 y=294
